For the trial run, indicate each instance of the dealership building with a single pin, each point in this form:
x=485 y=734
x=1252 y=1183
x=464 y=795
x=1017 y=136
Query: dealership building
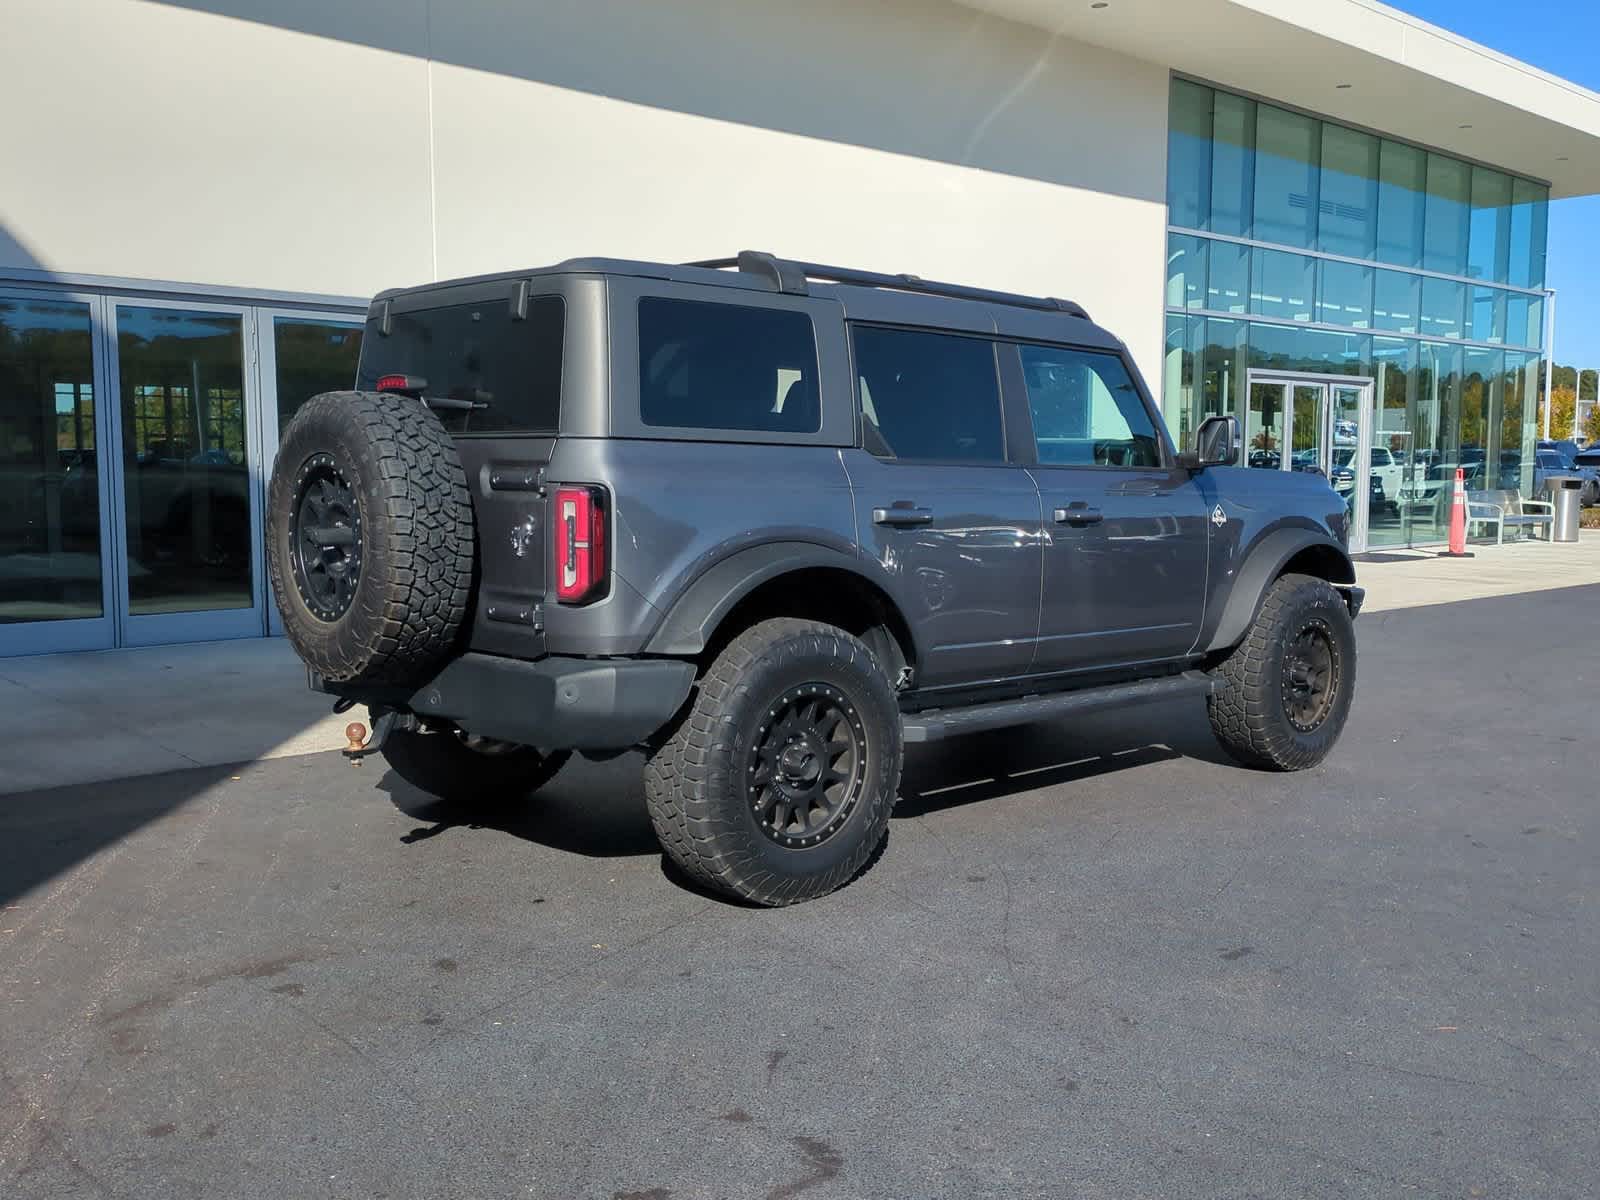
x=1328 y=219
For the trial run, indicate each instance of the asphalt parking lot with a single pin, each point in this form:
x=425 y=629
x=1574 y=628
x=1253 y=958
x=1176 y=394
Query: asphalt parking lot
x=1093 y=961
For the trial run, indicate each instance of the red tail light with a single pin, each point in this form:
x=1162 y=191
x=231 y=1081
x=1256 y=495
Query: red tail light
x=407 y=385
x=580 y=544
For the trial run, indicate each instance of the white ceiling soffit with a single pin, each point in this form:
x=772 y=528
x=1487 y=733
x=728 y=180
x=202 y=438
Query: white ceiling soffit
x=1406 y=78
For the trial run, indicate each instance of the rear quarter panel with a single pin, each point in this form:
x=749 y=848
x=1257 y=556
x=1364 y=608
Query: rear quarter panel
x=679 y=508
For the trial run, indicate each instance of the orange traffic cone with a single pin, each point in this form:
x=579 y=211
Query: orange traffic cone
x=1458 y=519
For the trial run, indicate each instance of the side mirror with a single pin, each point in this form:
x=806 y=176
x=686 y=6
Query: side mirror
x=1216 y=444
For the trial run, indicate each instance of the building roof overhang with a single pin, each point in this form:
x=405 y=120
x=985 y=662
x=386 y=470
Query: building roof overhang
x=1359 y=62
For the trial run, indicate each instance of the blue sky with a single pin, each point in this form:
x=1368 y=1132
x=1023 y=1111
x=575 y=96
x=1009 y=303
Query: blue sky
x=1562 y=37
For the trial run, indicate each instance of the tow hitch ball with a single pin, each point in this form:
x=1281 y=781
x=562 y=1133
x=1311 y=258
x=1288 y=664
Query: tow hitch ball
x=357 y=742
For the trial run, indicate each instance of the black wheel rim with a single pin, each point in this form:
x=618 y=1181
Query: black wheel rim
x=808 y=766
x=325 y=538
x=1310 y=676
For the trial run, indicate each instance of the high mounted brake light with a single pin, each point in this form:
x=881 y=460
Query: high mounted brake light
x=580 y=543
x=405 y=385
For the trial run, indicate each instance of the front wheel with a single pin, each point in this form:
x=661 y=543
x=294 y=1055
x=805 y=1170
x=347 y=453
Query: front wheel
x=777 y=785
x=1282 y=696
x=456 y=767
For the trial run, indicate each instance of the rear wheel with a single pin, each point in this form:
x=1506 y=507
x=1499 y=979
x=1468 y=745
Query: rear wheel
x=454 y=766
x=1282 y=696
x=778 y=784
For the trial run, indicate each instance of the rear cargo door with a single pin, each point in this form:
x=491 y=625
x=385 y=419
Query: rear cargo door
x=487 y=358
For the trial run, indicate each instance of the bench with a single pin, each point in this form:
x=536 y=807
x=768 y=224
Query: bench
x=1506 y=509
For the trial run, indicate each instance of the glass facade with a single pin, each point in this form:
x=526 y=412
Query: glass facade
x=136 y=437
x=1301 y=246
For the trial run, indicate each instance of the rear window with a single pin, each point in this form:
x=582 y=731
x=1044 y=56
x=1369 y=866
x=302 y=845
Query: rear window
x=727 y=366
x=508 y=371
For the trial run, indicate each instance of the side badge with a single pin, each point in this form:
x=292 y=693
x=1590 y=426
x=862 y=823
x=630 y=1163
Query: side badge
x=1218 y=517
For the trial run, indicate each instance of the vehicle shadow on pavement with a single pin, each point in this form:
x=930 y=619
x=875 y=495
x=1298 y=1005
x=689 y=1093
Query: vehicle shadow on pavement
x=593 y=809
x=987 y=766
x=597 y=809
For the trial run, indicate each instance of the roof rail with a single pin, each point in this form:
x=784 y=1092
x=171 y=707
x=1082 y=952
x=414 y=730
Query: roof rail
x=788 y=276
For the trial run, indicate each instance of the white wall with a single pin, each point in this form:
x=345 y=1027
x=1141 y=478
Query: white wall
x=346 y=145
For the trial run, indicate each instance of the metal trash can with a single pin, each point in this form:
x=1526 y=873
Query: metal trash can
x=1566 y=502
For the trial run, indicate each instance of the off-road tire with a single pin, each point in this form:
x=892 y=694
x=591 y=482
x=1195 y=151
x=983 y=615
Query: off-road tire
x=443 y=765
x=411 y=595
x=1250 y=703
x=696 y=787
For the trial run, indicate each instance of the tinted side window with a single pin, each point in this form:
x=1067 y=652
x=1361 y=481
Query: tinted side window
x=510 y=371
x=928 y=395
x=1086 y=411
x=727 y=366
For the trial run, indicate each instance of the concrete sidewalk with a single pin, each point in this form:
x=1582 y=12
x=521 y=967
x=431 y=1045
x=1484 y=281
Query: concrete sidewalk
x=81 y=718
x=110 y=714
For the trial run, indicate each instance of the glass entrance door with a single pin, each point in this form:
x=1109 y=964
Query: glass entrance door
x=188 y=477
x=55 y=563
x=1321 y=424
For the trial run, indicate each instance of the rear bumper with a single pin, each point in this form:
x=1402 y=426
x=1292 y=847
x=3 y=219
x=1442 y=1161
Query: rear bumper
x=554 y=703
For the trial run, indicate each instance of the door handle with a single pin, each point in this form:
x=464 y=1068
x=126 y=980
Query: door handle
x=902 y=514
x=1079 y=514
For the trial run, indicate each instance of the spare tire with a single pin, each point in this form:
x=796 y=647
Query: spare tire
x=370 y=538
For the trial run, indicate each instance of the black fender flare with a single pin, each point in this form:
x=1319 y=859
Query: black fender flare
x=1263 y=563
x=694 y=616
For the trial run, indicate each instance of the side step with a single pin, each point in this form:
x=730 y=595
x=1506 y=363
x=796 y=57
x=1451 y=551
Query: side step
x=933 y=725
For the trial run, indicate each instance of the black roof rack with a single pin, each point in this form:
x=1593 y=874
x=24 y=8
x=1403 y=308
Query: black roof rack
x=786 y=275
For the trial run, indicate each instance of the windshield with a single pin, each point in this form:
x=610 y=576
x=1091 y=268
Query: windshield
x=500 y=374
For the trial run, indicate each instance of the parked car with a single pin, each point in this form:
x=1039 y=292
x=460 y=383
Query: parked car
x=770 y=521
x=1575 y=460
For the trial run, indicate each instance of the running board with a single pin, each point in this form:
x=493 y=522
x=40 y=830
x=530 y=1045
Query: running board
x=932 y=725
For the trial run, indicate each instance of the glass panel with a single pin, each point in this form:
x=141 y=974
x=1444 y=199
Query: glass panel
x=727 y=366
x=186 y=483
x=1180 y=399
x=509 y=371
x=1232 y=163
x=1396 y=303
x=1480 y=416
x=1356 y=481
x=1222 y=367
x=1437 y=428
x=1524 y=320
x=1489 y=239
x=1488 y=315
x=1186 y=271
x=1519 y=428
x=313 y=357
x=1308 y=351
x=1263 y=432
x=1347 y=221
x=1307 y=452
x=49 y=470
x=1446 y=224
x=1286 y=177
x=1189 y=155
x=1529 y=219
x=1402 y=182
x=1086 y=411
x=1282 y=285
x=1344 y=294
x=1395 y=367
x=1228 y=277
x=1444 y=305
x=928 y=395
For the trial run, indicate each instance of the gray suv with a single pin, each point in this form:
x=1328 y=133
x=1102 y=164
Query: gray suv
x=769 y=521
